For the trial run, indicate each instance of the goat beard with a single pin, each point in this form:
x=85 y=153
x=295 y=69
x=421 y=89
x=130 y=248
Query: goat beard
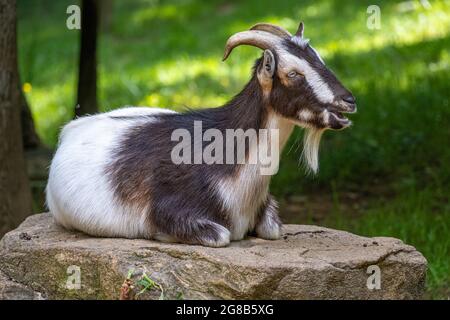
x=311 y=143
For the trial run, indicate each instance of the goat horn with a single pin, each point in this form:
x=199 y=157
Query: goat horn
x=299 y=33
x=261 y=39
x=271 y=28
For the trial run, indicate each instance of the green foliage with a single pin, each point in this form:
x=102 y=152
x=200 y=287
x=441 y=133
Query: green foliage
x=168 y=54
x=148 y=284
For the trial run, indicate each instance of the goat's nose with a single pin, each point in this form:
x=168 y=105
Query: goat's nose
x=349 y=99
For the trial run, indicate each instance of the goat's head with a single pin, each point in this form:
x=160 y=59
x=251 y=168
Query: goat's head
x=296 y=82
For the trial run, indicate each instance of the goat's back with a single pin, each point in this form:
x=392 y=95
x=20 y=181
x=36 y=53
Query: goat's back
x=79 y=193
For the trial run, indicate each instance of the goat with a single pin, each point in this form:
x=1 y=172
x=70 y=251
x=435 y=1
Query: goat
x=113 y=175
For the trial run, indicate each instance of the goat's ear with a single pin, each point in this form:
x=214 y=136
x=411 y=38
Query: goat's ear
x=266 y=71
x=268 y=67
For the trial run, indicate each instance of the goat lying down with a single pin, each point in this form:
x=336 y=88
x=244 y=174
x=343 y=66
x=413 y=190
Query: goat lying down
x=113 y=175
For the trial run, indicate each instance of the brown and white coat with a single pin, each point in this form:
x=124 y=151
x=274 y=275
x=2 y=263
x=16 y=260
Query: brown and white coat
x=112 y=175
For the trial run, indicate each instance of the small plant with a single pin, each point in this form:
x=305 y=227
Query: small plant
x=180 y=296
x=148 y=284
x=127 y=290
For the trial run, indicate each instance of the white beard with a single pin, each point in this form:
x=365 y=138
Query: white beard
x=311 y=142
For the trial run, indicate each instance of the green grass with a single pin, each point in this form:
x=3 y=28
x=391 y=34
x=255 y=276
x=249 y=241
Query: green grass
x=168 y=54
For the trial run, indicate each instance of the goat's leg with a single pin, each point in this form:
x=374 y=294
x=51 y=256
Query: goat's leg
x=268 y=224
x=188 y=228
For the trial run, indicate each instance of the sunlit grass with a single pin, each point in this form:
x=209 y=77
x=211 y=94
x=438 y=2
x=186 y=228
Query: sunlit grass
x=171 y=82
x=50 y=107
x=397 y=27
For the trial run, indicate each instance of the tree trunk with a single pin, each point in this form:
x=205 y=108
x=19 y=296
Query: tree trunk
x=87 y=70
x=15 y=196
x=30 y=138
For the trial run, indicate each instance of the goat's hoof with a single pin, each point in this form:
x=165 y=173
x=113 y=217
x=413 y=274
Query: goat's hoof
x=269 y=230
x=216 y=236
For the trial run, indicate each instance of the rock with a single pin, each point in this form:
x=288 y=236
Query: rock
x=11 y=290
x=309 y=262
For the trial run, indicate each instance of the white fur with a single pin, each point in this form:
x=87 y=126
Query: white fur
x=301 y=42
x=311 y=144
x=317 y=54
x=129 y=111
x=319 y=86
x=223 y=239
x=326 y=116
x=305 y=115
x=238 y=197
x=268 y=228
x=238 y=193
x=79 y=194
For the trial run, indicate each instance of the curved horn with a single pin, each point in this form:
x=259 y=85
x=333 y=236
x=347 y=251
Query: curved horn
x=261 y=39
x=299 y=33
x=271 y=28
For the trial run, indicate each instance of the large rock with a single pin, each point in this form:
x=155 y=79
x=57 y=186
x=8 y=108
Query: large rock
x=11 y=290
x=309 y=262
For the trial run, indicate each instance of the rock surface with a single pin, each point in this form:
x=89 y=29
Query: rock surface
x=11 y=290
x=309 y=262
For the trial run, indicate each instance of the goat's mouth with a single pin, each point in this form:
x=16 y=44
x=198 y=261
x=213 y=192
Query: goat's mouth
x=337 y=119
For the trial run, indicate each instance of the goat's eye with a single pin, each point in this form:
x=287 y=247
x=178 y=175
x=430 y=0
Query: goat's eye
x=295 y=74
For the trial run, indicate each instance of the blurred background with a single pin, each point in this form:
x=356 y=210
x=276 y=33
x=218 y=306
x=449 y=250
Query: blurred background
x=388 y=175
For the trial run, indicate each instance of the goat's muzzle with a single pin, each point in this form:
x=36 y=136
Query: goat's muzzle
x=336 y=119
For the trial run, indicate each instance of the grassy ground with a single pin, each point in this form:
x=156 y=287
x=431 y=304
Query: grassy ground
x=168 y=54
